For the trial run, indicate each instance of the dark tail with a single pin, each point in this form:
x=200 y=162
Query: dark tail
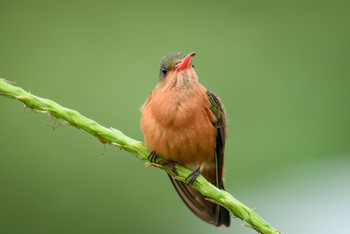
x=205 y=210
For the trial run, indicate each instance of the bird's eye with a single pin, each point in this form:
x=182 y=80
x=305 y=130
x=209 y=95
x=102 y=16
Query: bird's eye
x=164 y=71
x=193 y=65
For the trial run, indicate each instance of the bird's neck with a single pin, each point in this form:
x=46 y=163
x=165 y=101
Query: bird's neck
x=180 y=80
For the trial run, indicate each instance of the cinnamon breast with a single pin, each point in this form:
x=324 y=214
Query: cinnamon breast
x=177 y=125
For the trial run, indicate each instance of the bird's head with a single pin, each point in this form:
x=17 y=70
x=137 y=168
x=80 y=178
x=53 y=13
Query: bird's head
x=177 y=69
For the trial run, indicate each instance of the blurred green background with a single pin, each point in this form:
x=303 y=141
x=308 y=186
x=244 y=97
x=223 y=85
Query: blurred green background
x=281 y=69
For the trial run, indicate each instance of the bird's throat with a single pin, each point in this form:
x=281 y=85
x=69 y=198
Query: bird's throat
x=181 y=80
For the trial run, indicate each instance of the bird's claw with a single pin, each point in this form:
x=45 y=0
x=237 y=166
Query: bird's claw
x=171 y=164
x=192 y=177
x=152 y=157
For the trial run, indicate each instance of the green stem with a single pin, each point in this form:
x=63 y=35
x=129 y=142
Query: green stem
x=117 y=138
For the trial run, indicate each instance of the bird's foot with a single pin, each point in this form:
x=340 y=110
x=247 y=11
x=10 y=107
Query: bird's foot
x=171 y=164
x=152 y=157
x=192 y=177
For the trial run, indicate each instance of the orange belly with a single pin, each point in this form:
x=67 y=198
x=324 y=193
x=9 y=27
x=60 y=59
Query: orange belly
x=179 y=127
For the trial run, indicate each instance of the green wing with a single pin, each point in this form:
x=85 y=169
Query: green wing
x=221 y=126
x=218 y=110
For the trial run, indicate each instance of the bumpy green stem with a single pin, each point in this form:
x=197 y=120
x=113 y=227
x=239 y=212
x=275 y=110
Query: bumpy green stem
x=116 y=137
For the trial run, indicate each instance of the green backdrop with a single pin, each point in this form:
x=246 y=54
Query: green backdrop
x=280 y=68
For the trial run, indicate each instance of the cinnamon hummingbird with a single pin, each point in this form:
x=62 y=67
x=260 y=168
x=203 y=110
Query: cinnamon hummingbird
x=185 y=123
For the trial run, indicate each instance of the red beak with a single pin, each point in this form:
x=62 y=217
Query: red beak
x=185 y=63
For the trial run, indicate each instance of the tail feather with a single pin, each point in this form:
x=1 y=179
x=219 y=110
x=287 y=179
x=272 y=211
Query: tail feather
x=196 y=202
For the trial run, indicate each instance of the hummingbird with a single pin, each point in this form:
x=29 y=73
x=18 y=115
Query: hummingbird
x=184 y=122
